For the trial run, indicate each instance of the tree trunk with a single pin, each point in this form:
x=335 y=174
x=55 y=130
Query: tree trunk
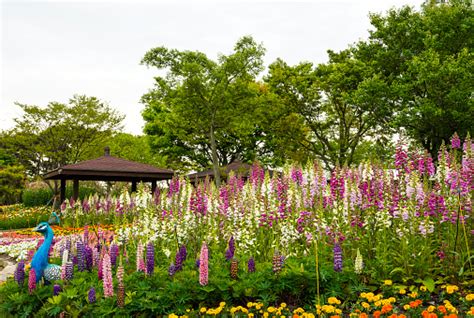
x=215 y=161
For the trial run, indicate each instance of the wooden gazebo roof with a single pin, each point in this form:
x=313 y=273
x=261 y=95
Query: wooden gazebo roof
x=108 y=168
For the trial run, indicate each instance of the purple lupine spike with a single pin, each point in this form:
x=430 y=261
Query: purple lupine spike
x=180 y=258
x=229 y=253
x=85 y=237
x=86 y=207
x=198 y=263
x=172 y=269
x=91 y=295
x=56 y=289
x=80 y=256
x=251 y=265
x=337 y=257
x=32 y=281
x=69 y=270
x=150 y=259
x=20 y=273
x=114 y=252
x=88 y=258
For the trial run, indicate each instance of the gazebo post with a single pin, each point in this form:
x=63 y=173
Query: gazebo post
x=75 y=189
x=63 y=191
x=153 y=187
x=134 y=186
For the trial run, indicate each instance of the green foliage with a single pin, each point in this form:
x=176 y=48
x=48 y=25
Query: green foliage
x=12 y=180
x=44 y=196
x=59 y=134
x=202 y=111
x=134 y=148
x=425 y=58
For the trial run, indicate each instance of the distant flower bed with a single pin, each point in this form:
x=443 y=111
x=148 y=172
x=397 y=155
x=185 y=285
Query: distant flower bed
x=18 y=216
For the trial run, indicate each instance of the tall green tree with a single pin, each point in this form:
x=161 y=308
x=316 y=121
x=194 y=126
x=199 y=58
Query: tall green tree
x=200 y=112
x=45 y=138
x=329 y=111
x=426 y=59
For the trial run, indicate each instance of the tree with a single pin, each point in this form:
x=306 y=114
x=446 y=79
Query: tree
x=134 y=148
x=201 y=111
x=426 y=60
x=328 y=111
x=45 y=138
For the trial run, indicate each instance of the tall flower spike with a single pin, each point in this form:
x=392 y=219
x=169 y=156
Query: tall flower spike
x=20 y=273
x=107 y=280
x=180 y=258
x=121 y=287
x=455 y=141
x=337 y=257
x=69 y=270
x=91 y=295
x=277 y=262
x=140 y=262
x=204 y=265
x=114 y=252
x=32 y=281
x=229 y=254
x=251 y=265
x=234 y=268
x=80 y=256
x=359 y=263
x=150 y=259
x=56 y=289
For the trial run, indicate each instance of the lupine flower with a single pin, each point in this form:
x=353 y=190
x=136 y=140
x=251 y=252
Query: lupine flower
x=32 y=281
x=229 y=253
x=86 y=234
x=180 y=258
x=455 y=141
x=204 y=265
x=140 y=263
x=91 y=295
x=337 y=257
x=251 y=265
x=56 y=289
x=277 y=264
x=150 y=259
x=121 y=287
x=20 y=273
x=359 y=263
x=107 y=272
x=80 y=256
x=172 y=269
x=234 y=268
x=100 y=269
x=88 y=258
x=114 y=252
x=69 y=270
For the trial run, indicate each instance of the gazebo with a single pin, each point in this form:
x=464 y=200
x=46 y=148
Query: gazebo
x=108 y=168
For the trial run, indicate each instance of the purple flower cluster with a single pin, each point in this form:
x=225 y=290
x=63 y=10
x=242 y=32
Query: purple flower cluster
x=229 y=253
x=251 y=265
x=20 y=273
x=114 y=252
x=172 y=269
x=180 y=258
x=337 y=257
x=69 y=270
x=91 y=295
x=150 y=259
x=56 y=289
x=80 y=256
x=198 y=201
x=88 y=258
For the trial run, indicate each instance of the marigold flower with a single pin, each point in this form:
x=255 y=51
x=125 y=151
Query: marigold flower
x=470 y=297
x=387 y=282
x=423 y=288
x=402 y=291
x=365 y=305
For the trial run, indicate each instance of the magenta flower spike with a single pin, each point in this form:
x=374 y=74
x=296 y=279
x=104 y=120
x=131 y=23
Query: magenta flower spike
x=204 y=265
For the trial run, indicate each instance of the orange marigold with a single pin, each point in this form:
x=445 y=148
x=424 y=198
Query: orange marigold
x=377 y=314
x=442 y=309
x=386 y=308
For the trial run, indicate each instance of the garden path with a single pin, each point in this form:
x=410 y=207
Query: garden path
x=7 y=267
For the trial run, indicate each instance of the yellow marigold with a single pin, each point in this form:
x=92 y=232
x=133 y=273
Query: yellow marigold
x=283 y=305
x=251 y=315
x=173 y=316
x=406 y=307
x=378 y=297
x=249 y=305
x=233 y=310
x=298 y=310
x=244 y=310
x=203 y=310
x=338 y=311
x=470 y=297
x=413 y=295
x=431 y=308
x=387 y=282
x=222 y=304
x=365 y=305
x=451 y=289
x=271 y=309
x=328 y=309
x=333 y=301
x=402 y=291
x=392 y=299
x=423 y=288
x=265 y=314
x=308 y=315
x=363 y=295
x=378 y=303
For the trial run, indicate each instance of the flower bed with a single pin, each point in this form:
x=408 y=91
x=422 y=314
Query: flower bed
x=17 y=216
x=383 y=240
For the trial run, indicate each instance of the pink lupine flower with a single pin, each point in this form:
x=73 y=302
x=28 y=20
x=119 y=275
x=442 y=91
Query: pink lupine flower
x=455 y=141
x=107 y=281
x=204 y=265
x=32 y=281
x=140 y=262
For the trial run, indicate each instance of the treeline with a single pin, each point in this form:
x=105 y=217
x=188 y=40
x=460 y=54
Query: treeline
x=413 y=77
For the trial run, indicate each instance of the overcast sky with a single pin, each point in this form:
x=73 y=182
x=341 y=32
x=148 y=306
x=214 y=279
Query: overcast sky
x=51 y=50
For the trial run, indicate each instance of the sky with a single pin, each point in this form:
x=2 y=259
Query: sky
x=51 y=50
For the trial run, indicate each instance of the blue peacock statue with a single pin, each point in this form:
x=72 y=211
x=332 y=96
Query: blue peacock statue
x=40 y=263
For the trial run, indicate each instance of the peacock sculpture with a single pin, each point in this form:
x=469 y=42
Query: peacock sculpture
x=40 y=262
